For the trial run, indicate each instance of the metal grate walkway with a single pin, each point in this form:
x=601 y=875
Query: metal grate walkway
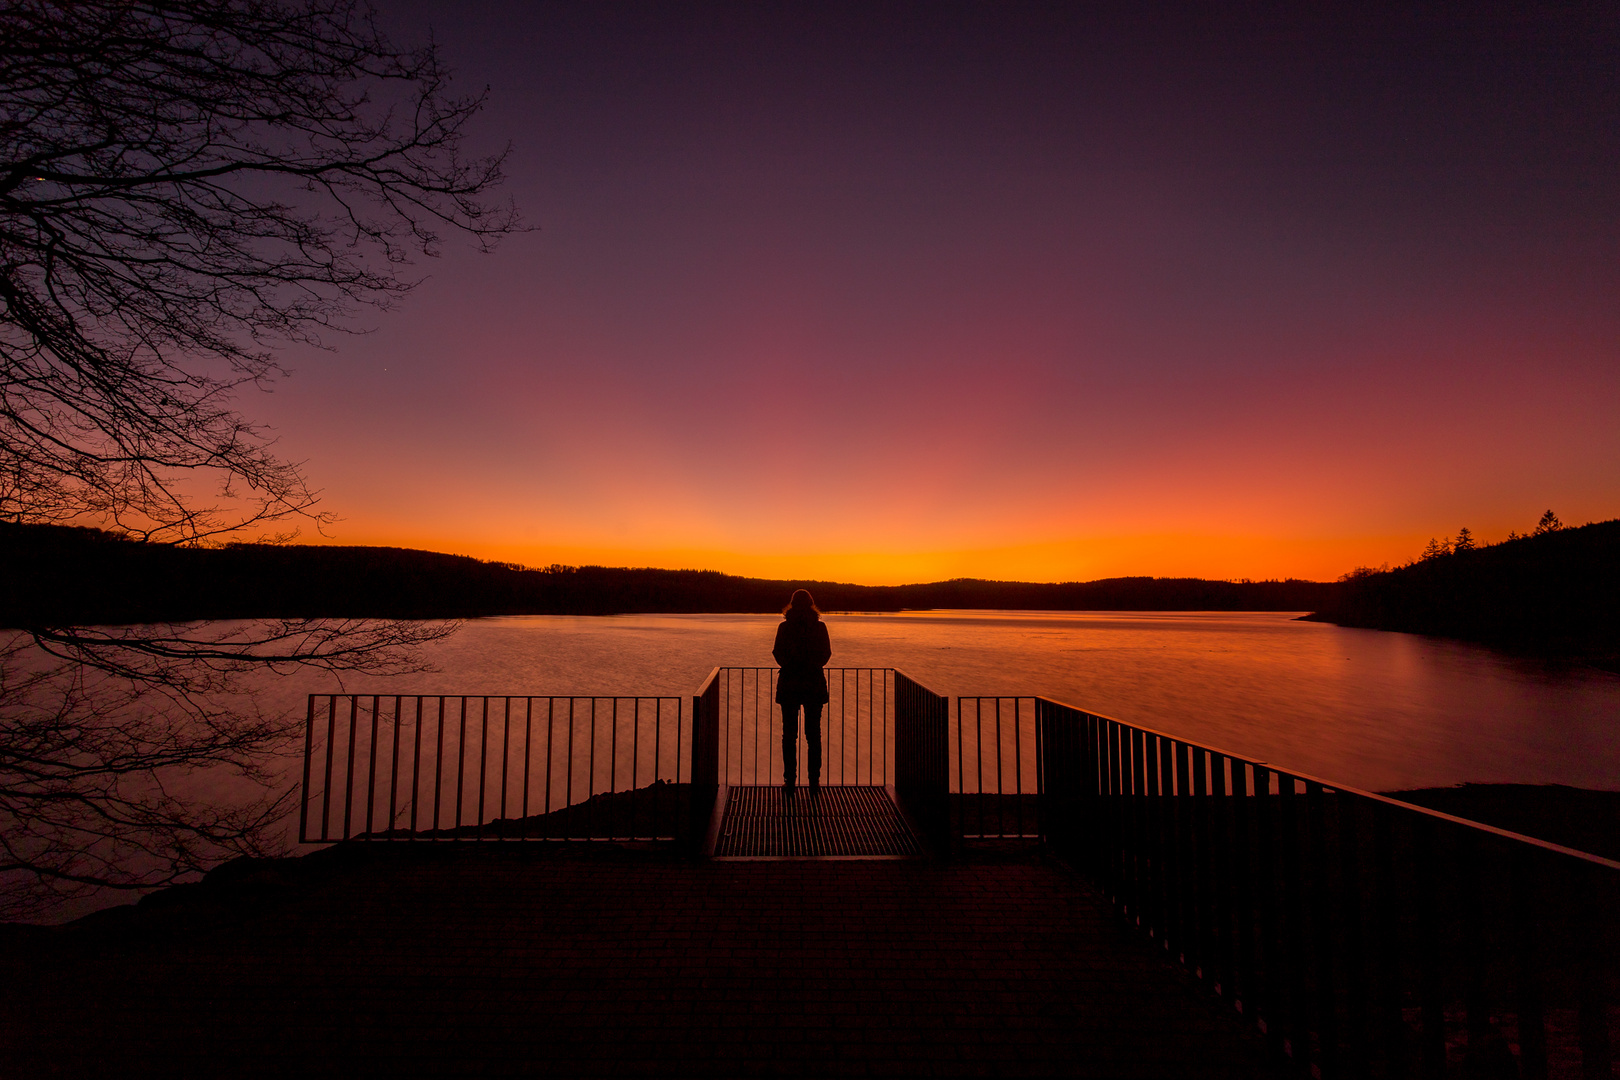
x=838 y=822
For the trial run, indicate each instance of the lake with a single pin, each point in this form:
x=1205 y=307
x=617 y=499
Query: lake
x=1367 y=708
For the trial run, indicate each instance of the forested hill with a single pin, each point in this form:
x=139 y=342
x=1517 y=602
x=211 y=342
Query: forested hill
x=1558 y=591
x=63 y=575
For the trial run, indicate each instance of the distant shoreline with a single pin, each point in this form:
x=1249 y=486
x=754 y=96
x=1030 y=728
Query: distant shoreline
x=1555 y=594
x=83 y=576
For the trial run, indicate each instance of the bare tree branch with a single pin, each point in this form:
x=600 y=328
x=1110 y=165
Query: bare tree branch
x=184 y=186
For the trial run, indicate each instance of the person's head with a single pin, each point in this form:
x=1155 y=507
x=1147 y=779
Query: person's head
x=801 y=606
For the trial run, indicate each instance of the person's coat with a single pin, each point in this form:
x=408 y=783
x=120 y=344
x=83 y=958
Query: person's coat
x=802 y=649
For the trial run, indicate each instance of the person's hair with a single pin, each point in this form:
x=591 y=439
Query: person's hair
x=801 y=601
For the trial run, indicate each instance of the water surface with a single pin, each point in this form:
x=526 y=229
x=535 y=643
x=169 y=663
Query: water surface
x=1368 y=708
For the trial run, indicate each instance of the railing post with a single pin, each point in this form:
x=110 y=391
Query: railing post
x=922 y=760
x=704 y=768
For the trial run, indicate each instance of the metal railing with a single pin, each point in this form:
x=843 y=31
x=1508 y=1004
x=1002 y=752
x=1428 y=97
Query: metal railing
x=392 y=767
x=705 y=772
x=996 y=768
x=857 y=726
x=1364 y=936
x=922 y=759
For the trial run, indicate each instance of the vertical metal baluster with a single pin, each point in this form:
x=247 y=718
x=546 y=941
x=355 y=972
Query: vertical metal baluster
x=371 y=770
x=438 y=773
x=393 y=775
x=528 y=760
x=483 y=767
x=590 y=775
x=1087 y=789
x=348 y=785
x=613 y=747
x=416 y=768
x=461 y=766
x=309 y=751
x=568 y=776
x=884 y=674
x=843 y=735
x=506 y=759
x=614 y=816
x=551 y=766
x=1018 y=760
x=978 y=755
x=871 y=730
x=1001 y=802
x=635 y=761
x=961 y=783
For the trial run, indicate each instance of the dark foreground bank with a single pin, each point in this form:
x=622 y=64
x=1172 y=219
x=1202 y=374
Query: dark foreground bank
x=490 y=959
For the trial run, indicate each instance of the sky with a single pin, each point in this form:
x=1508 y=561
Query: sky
x=900 y=292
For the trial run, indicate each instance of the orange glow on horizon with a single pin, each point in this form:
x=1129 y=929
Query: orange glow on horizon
x=1212 y=557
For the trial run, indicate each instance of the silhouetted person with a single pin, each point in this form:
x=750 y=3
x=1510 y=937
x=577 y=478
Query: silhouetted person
x=802 y=649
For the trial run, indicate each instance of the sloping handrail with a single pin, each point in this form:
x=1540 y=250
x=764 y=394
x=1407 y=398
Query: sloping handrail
x=1351 y=927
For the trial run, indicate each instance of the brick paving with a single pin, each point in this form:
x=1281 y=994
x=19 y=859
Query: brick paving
x=439 y=960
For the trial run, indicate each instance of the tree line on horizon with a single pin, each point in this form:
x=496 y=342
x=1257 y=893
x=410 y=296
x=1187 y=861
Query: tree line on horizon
x=1442 y=546
x=82 y=575
x=1554 y=590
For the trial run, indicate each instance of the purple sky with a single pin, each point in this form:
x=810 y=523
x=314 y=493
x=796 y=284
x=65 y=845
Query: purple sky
x=902 y=292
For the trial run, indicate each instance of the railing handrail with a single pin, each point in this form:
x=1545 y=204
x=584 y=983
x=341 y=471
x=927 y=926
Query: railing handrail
x=495 y=697
x=1438 y=815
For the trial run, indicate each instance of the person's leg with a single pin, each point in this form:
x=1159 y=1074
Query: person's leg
x=790 y=742
x=812 y=737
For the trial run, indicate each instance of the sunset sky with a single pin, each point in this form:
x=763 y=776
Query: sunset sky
x=892 y=292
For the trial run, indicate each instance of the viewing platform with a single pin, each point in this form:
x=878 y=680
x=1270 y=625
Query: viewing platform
x=614 y=885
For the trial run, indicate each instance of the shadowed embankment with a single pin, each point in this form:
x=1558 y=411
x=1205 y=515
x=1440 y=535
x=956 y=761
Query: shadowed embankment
x=594 y=960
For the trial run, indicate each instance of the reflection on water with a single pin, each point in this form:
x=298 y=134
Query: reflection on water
x=1364 y=707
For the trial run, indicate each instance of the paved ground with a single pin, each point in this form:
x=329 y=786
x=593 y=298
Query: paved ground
x=498 y=960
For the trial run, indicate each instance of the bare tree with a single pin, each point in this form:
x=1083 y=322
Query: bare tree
x=184 y=186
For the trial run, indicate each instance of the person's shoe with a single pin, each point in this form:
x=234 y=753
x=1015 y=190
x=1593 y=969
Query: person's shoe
x=815 y=788
x=787 y=789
